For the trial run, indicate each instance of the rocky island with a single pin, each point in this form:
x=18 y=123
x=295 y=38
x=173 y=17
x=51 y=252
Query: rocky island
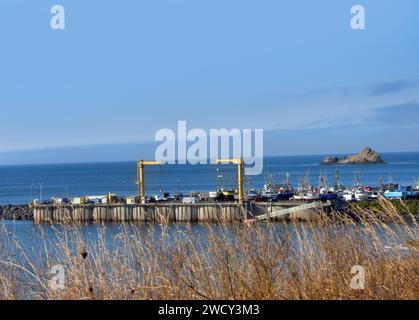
x=366 y=156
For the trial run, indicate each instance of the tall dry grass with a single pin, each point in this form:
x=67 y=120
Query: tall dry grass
x=310 y=260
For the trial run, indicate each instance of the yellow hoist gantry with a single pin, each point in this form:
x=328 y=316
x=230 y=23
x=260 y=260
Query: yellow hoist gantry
x=140 y=176
x=240 y=165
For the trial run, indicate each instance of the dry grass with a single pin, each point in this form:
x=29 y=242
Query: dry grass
x=226 y=261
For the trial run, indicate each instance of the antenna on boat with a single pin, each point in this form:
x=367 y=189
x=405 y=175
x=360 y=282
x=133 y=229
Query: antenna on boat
x=307 y=179
x=287 y=179
x=249 y=182
x=323 y=180
x=357 y=179
x=219 y=179
x=390 y=178
x=233 y=182
x=337 y=178
x=380 y=181
x=268 y=178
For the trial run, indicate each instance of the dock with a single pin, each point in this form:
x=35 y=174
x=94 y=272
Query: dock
x=177 y=212
x=297 y=212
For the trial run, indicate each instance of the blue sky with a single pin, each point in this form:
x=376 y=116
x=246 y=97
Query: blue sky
x=121 y=70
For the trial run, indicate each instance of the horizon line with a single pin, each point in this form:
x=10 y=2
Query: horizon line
x=134 y=160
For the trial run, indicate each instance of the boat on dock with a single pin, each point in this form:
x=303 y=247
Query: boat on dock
x=325 y=192
x=285 y=191
x=328 y=195
x=252 y=195
x=305 y=190
x=284 y=194
x=347 y=196
x=272 y=192
x=268 y=192
x=361 y=195
x=402 y=193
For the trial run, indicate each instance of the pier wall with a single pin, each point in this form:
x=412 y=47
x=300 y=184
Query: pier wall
x=160 y=212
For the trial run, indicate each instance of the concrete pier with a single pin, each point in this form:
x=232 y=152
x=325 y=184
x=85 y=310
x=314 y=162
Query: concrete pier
x=164 y=212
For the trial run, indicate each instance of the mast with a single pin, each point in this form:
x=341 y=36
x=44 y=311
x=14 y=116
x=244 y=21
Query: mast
x=287 y=180
x=338 y=184
x=357 y=179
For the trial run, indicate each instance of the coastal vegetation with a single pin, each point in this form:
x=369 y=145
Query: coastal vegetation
x=311 y=260
x=405 y=207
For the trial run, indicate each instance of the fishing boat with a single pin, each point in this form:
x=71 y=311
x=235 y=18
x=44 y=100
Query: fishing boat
x=373 y=195
x=268 y=193
x=213 y=195
x=311 y=196
x=221 y=193
x=325 y=192
x=305 y=190
x=328 y=195
x=361 y=195
x=228 y=195
x=401 y=193
x=285 y=192
x=252 y=195
x=338 y=187
x=395 y=194
x=347 y=196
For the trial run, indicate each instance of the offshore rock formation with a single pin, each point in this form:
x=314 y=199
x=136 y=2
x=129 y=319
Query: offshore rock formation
x=366 y=156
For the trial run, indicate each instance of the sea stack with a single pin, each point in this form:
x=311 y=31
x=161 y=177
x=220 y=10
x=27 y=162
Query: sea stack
x=366 y=156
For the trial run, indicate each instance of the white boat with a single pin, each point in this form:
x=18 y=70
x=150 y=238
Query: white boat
x=311 y=196
x=252 y=195
x=305 y=190
x=307 y=196
x=361 y=195
x=348 y=196
x=268 y=192
x=374 y=195
x=298 y=196
x=213 y=194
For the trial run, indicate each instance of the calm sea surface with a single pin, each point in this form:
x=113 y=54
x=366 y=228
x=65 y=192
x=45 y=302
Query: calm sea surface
x=31 y=237
x=20 y=184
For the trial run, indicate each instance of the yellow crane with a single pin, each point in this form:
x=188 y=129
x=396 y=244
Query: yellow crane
x=240 y=166
x=140 y=176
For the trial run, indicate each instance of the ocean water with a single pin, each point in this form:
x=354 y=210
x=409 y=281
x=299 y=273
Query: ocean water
x=17 y=236
x=20 y=184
